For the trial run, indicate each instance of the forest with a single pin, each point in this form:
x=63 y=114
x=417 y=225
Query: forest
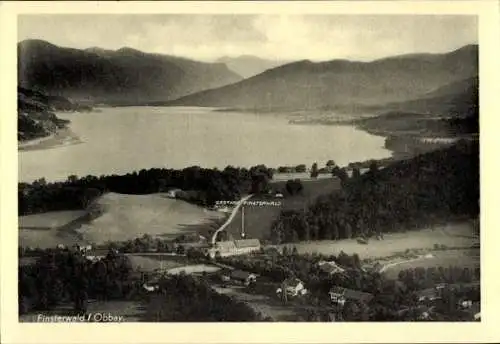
x=65 y=277
x=183 y=298
x=405 y=195
x=201 y=185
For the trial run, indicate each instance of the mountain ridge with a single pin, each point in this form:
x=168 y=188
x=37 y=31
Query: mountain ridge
x=306 y=84
x=123 y=76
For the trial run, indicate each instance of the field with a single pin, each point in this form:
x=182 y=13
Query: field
x=123 y=217
x=50 y=229
x=460 y=258
x=194 y=269
x=49 y=220
x=258 y=219
x=451 y=235
x=151 y=263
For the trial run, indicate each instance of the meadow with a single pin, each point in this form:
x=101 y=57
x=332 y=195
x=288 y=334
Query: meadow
x=450 y=235
x=123 y=217
x=259 y=219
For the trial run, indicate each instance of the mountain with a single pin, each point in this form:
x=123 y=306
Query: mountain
x=125 y=76
x=450 y=110
x=342 y=83
x=456 y=99
x=248 y=66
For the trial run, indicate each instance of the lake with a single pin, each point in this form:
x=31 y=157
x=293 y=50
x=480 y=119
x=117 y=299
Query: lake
x=123 y=140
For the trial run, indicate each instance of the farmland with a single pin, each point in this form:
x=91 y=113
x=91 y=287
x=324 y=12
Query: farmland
x=258 y=219
x=130 y=216
x=50 y=229
x=152 y=263
x=122 y=217
x=450 y=235
x=463 y=258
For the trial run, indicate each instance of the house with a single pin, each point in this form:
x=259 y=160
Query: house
x=430 y=294
x=151 y=285
x=340 y=295
x=234 y=247
x=293 y=287
x=172 y=193
x=441 y=286
x=465 y=304
x=96 y=254
x=330 y=267
x=247 y=245
x=240 y=277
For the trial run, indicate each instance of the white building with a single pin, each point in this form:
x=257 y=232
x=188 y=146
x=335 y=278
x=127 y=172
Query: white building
x=234 y=247
x=293 y=286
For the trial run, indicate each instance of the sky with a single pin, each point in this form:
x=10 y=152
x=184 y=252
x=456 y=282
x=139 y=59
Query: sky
x=276 y=37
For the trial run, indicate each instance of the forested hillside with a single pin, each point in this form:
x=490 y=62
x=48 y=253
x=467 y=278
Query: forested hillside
x=406 y=195
x=35 y=113
x=122 y=77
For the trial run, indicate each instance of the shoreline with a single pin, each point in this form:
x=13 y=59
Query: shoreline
x=63 y=137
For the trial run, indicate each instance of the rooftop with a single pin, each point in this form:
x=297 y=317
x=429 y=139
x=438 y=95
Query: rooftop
x=239 y=274
x=292 y=282
x=352 y=294
x=244 y=243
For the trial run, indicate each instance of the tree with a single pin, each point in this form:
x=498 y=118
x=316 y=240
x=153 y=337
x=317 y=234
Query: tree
x=294 y=187
x=314 y=170
x=373 y=168
x=356 y=172
x=300 y=168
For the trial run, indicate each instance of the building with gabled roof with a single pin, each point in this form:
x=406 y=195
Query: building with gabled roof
x=340 y=295
x=234 y=247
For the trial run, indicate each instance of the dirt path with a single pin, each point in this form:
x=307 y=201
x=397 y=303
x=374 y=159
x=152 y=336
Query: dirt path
x=231 y=217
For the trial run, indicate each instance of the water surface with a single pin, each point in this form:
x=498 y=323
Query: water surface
x=123 y=140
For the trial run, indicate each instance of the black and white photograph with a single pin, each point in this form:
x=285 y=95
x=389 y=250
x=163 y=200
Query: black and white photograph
x=258 y=167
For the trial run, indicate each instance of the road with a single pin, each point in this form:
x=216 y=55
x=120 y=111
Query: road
x=231 y=217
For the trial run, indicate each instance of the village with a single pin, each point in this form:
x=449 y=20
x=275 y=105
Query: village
x=227 y=267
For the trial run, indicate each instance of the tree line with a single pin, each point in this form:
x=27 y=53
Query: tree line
x=203 y=186
x=66 y=277
x=405 y=195
x=184 y=298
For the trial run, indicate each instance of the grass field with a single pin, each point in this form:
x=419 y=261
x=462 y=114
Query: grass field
x=258 y=219
x=151 y=263
x=451 y=235
x=49 y=229
x=49 y=220
x=193 y=269
x=131 y=216
x=460 y=258
x=123 y=217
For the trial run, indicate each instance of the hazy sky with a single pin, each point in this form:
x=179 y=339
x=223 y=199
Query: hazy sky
x=205 y=37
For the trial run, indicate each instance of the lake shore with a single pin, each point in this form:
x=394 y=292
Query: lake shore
x=63 y=137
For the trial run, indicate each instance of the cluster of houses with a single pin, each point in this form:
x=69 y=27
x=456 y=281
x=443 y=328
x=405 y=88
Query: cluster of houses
x=91 y=253
x=435 y=294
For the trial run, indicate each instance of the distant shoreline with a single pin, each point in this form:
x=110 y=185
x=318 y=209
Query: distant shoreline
x=63 y=137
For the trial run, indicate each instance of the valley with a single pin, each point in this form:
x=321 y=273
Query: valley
x=370 y=168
